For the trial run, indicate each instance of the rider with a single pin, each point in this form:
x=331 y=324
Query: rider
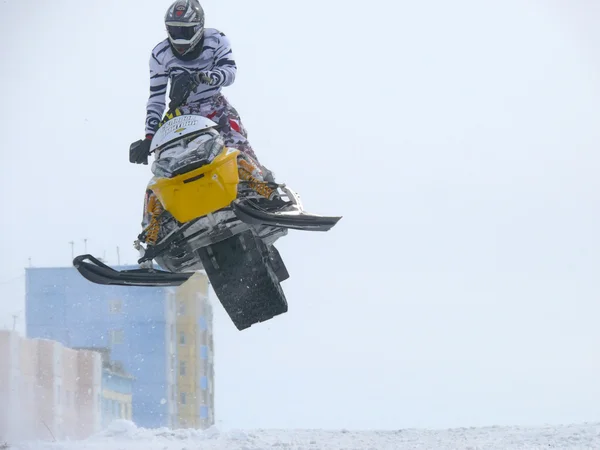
x=199 y=62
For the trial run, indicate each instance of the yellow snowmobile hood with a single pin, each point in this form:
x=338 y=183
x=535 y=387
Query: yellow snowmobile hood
x=201 y=191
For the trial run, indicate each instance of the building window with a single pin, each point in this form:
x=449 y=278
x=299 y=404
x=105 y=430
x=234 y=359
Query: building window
x=204 y=382
x=204 y=412
x=182 y=368
x=182 y=398
x=182 y=338
x=203 y=352
x=171 y=300
x=115 y=306
x=116 y=337
x=202 y=323
x=181 y=307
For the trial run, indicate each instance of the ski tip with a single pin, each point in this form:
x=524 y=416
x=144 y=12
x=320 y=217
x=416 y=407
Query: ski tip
x=249 y=213
x=99 y=273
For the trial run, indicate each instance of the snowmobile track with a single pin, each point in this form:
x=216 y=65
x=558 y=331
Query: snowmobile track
x=241 y=273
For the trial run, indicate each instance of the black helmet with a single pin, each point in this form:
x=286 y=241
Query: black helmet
x=185 y=25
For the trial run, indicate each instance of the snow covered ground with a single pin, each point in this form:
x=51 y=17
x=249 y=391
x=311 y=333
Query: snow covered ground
x=126 y=436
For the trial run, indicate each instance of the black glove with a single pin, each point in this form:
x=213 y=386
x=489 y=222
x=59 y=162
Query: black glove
x=139 y=151
x=185 y=83
x=182 y=86
x=211 y=78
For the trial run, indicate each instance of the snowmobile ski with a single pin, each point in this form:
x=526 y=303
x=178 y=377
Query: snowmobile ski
x=169 y=242
x=98 y=272
x=251 y=212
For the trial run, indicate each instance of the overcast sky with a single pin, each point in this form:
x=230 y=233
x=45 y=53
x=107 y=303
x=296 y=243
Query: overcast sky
x=459 y=140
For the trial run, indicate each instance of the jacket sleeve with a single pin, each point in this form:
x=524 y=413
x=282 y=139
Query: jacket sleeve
x=158 y=88
x=224 y=66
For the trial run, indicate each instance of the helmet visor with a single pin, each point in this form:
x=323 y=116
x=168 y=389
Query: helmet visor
x=182 y=33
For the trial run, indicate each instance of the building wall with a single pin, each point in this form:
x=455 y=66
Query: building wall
x=132 y=322
x=195 y=376
x=116 y=397
x=39 y=385
x=9 y=387
x=68 y=399
x=49 y=384
x=206 y=407
x=142 y=328
x=89 y=365
x=170 y=356
x=27 y=367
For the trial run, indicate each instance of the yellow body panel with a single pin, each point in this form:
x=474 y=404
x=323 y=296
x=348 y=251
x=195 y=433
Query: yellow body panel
x=200 y=191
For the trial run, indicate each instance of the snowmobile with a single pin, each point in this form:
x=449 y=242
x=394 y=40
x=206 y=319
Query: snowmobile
x=210 y=207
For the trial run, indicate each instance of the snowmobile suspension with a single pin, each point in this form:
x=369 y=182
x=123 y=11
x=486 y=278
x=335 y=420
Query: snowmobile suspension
x=247 y=171
x=155 y=208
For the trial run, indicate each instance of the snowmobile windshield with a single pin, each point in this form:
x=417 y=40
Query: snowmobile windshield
x=186 y=156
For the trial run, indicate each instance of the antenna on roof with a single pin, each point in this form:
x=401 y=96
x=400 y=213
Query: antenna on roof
x=14 y=316
x=118 y=257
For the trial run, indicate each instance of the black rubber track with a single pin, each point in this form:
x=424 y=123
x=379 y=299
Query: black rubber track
x=239 y=269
